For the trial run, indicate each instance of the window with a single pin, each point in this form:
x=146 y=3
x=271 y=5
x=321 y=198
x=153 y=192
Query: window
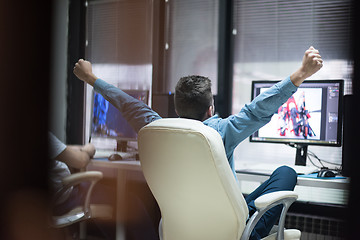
x=191 y=40
x=119 y=42
x=270 y=38
x=119 y=45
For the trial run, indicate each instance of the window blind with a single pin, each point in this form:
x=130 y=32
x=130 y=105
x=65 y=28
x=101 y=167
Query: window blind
x=281 y=30
x=192 y=38
x=119 y=41
x=119 y=31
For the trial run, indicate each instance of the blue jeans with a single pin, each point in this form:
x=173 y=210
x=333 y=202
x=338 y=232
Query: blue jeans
x=282 y=179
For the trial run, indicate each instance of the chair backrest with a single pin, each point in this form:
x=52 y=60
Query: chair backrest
x=186 y=168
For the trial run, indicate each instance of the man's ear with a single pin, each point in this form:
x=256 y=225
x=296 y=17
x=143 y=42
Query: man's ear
x=210 y=111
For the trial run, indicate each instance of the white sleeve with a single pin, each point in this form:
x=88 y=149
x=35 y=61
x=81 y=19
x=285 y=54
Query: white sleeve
x=55 y=146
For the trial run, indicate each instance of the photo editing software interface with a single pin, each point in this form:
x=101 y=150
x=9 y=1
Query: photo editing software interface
x=109 y=129
x=311 y=116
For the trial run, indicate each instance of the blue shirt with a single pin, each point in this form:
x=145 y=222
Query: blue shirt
x=233 y=129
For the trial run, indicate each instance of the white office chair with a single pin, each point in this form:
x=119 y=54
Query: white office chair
x=186 y=168
x=87 y=210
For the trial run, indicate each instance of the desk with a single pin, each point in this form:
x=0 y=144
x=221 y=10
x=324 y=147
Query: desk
x=120 y=171
x=309 y=182
x=334 y=191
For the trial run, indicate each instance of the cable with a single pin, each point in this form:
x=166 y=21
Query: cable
x=310 y=153
x=313 y=162
x=321 y=160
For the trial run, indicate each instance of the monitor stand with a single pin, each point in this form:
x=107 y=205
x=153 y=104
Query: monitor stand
x=301 y=154
x=121 y=145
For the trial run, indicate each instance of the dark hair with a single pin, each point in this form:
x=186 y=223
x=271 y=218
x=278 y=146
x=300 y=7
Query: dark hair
x=193 y=97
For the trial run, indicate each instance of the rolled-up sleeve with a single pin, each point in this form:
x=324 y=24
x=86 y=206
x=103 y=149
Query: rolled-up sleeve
x=136 y=113
x=256 y=114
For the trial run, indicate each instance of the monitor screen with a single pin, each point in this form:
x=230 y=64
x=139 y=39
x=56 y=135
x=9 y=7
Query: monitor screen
x=108 y=122
x=311 y=116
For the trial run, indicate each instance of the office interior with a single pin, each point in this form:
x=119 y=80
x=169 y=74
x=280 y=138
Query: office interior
x=231 y=41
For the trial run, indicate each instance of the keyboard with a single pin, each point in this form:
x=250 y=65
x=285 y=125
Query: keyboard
x=106 y=153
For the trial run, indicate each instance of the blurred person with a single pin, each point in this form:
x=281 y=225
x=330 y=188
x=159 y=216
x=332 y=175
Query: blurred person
x=65 y=159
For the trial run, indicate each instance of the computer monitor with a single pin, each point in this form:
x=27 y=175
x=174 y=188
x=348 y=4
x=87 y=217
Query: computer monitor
x=311 y=116
x=107 y=121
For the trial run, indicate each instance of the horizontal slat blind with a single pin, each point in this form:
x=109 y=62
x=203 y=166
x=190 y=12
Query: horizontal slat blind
x=192 y=38
x=281 y=30
x=119 y=31
x=102 y=32
x=119 y=41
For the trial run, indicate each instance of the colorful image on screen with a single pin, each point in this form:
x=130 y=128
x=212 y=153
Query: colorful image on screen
x=312 y=115
x=299 y=117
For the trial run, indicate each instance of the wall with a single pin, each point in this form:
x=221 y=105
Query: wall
x=58 y=84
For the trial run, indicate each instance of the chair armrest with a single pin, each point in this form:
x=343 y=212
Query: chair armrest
x=74 y=179
x=79 y=177
x=266 y=202
x=267 y=199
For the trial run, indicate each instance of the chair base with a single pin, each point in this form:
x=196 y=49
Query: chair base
x=98 y=211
